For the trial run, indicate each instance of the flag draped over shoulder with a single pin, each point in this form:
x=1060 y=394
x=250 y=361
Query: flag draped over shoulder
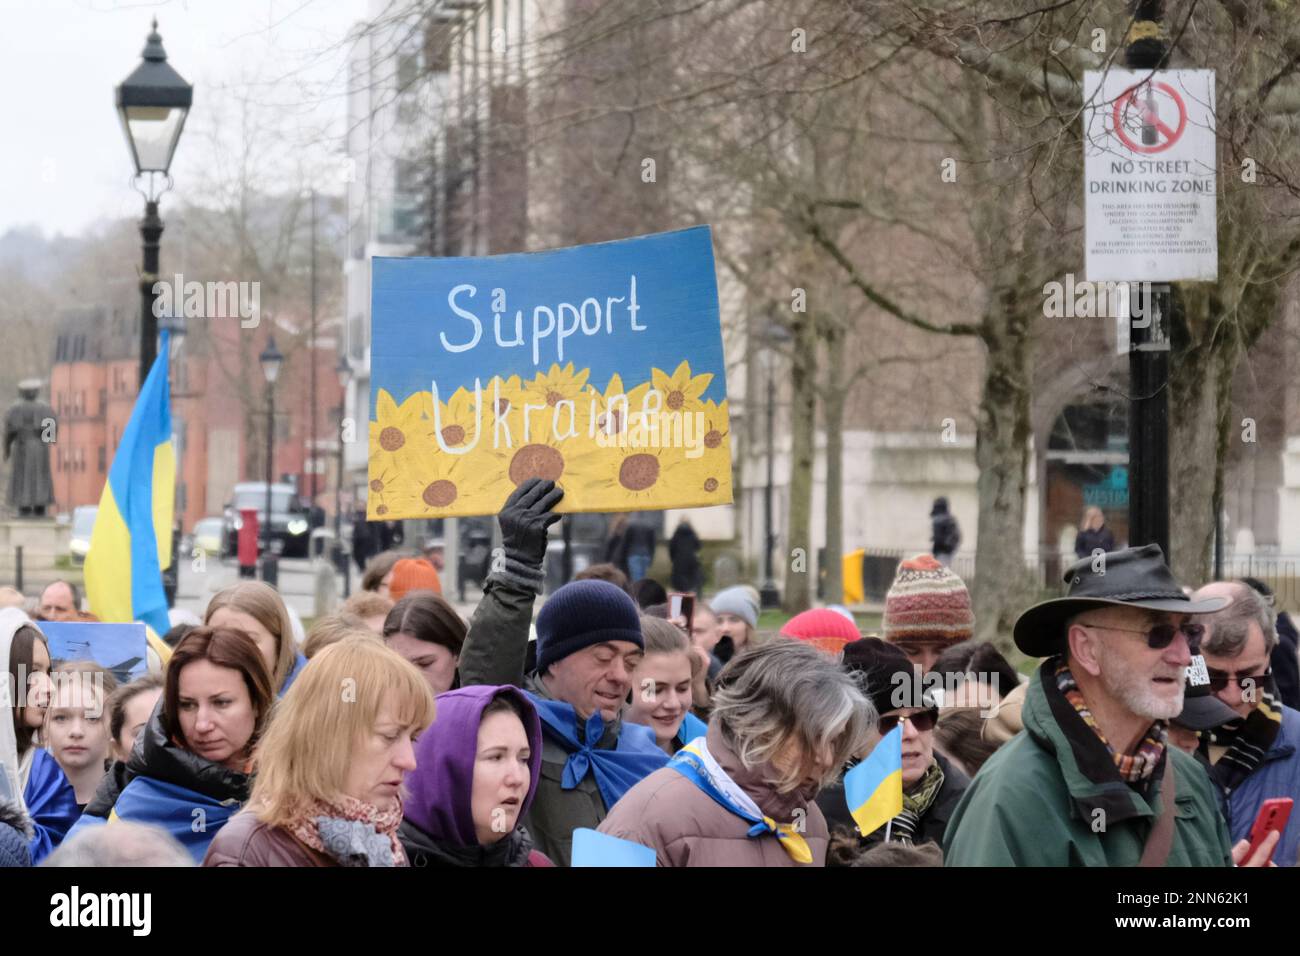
x=130 y=545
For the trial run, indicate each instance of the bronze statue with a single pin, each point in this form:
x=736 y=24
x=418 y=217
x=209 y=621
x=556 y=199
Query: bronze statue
x=30 y=429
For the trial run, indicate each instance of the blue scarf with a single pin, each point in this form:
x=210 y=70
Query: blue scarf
x=634 y=757
x=299 y=662
x=51 y=803
x=691 y=728
x=696 y=764
x=145 y=800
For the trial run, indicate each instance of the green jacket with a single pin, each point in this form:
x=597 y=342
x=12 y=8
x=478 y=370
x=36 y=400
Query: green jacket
x=1032 y=804
x=494 y=653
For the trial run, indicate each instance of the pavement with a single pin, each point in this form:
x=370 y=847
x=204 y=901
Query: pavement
x=200 y=579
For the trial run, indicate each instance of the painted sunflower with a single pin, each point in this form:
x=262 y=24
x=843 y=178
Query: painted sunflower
x=438 y=484
x=681 y=391
x=555 y=386
x=396 y=431
x=458 y=418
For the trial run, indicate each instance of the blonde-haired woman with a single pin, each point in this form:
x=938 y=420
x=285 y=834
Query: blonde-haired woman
x=257 y=608
x=1093 y=534
x=328 y=789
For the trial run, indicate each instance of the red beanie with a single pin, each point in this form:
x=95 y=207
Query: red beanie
x=822 y=628
x=413 y=574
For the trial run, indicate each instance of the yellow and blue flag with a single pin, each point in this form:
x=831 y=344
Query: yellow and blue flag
x=130 y=545
x=874 y=788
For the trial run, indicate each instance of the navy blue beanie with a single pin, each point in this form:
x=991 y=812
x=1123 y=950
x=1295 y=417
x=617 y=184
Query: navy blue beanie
x=583 y=613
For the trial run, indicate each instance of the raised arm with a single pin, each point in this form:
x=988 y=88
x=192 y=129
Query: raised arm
x=497 y=642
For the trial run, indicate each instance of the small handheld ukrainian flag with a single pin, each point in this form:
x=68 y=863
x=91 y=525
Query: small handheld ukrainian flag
x=130 y=545
x=874 y=788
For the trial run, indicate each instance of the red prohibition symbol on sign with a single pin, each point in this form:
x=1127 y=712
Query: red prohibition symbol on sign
x=1137 y=112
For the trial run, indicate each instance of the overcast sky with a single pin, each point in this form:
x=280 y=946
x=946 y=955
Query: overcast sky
x=65 y=163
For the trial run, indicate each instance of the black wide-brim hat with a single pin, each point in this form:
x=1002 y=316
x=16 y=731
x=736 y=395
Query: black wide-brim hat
x=1133 y=577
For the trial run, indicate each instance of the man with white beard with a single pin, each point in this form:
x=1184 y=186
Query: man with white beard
x=1088 y=781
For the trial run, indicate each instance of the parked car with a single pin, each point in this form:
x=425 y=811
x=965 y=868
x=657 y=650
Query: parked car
x=83 y=523
x=208 y=534
x=289 y=524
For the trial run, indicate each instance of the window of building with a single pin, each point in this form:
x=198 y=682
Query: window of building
x=408 y=71
x=437 y=46
x=103 y=459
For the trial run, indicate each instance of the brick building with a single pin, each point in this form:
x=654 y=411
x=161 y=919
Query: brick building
x=218 y=409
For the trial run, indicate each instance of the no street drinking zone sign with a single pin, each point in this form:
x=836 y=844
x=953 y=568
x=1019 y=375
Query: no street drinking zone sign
x=1149 y=176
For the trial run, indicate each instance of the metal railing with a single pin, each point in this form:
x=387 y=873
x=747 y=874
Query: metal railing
x=1281 y=572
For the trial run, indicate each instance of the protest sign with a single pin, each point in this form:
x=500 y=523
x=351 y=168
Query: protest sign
x=599 y=367
x=593 y=848
x=121 y=649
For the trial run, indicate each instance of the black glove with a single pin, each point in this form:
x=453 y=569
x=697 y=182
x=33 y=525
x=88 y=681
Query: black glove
x=524 y=521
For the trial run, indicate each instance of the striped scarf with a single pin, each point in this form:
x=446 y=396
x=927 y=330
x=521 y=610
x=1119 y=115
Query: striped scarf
x=1133 y=768
x=1247 y=740
x=902 y=829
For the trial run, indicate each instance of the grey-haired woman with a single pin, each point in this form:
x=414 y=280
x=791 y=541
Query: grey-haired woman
x=785 y=718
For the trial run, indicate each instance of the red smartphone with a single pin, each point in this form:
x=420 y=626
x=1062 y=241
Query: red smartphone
x=681 y=604
x=1273 y=815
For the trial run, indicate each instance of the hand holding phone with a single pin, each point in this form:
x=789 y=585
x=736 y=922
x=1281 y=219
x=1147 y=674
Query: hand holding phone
x=1273 y=816
x=682 y=605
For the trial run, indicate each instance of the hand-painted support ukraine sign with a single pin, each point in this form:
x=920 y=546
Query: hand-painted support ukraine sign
x=599 y=367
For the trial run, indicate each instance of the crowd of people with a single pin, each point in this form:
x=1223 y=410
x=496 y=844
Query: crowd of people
x=1155 y=725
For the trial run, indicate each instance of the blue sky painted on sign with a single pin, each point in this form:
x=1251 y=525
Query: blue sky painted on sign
x=415 y=330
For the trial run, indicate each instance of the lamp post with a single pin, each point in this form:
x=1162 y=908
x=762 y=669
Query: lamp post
x=344 y=371
x=312 y=352
x=776 y=334
x=271 y=360
x=174 y=325
x=1148 y=363
x=152 y=103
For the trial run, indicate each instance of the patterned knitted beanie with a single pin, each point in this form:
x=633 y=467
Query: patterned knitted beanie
x=927 y=602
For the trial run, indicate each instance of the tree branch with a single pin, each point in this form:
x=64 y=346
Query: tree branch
x=878 y=298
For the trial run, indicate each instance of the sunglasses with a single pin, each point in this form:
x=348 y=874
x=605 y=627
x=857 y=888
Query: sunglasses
x=922 y=720
x=1160 y=636
x=1220 y=682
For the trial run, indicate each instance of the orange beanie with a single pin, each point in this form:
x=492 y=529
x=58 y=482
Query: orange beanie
x=413 y=574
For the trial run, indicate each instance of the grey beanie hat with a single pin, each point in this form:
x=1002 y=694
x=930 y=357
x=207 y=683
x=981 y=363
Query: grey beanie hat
x=738 y=601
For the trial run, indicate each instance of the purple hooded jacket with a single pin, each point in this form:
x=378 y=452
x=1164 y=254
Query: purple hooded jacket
x=440 y=788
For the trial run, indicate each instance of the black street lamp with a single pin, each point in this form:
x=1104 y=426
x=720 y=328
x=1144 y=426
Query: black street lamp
x=175 y=325
x=271 y=360
x=344 y=371
x=775 y=336
x=152 y=103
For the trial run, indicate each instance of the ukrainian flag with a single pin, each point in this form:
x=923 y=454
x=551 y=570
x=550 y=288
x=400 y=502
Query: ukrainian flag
x=130 y=545
x=874 y=788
